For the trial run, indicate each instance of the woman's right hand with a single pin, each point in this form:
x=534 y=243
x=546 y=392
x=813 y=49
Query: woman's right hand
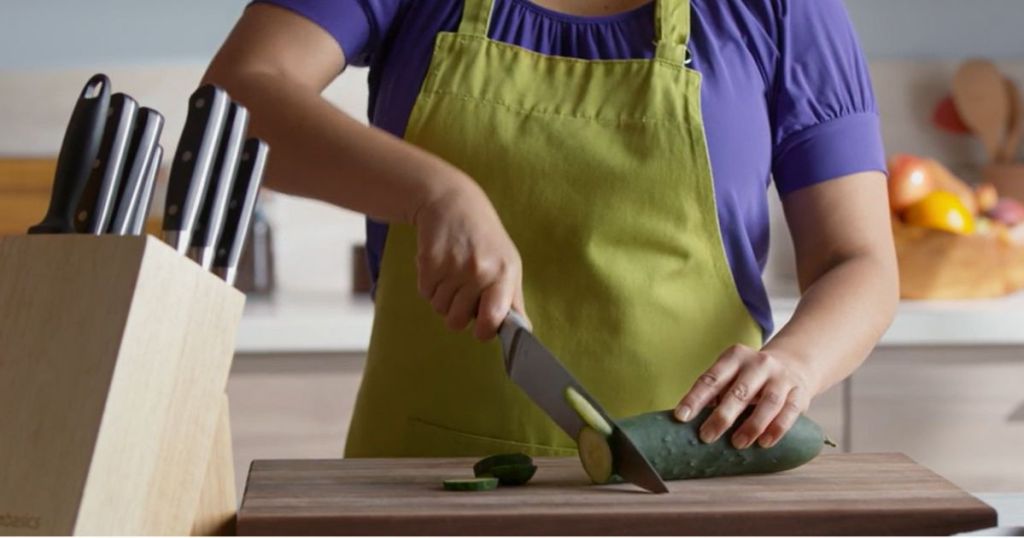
x=467 y=264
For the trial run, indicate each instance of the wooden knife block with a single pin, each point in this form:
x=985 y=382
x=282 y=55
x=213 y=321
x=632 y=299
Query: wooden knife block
x=114 y=356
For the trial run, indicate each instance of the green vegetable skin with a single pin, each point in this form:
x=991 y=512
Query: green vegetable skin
x=509 y=469
x=676 y=451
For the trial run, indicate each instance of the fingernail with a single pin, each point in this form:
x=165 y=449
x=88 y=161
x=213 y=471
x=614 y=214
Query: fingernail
x=767 y=441
x=683 y=413
x=705 y=435
x=740 y=441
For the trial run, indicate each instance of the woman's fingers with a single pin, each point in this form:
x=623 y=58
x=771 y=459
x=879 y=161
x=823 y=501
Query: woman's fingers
x=494 y=306
x=443 y=296
x=464 y=307
x=797 y=402
x=709 y=384
x=734 y=400
x=770 y=402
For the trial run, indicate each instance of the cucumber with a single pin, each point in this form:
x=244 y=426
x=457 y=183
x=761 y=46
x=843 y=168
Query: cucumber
x=511 y=475
x=586 y=411
x=676 y=451
x=471 y=484
x=483 y=466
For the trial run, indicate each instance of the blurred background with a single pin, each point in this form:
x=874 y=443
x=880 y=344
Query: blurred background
x=945 y=386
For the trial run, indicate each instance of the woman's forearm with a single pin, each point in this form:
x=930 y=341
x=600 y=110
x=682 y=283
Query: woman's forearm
x=320 y=152
x=839 y=318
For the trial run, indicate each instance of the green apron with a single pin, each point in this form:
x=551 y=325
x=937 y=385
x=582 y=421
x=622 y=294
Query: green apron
x=600 y=173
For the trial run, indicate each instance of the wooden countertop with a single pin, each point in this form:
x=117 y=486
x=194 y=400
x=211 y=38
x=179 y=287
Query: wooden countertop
x=835 y=494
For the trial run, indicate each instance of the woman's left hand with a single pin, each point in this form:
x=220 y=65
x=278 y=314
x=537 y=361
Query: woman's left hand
x=779 y=388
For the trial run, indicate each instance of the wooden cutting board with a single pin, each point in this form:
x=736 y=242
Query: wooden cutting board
x=835 y=494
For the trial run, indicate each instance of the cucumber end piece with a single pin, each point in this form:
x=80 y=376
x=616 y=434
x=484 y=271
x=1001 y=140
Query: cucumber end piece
x=595 y=455
x=830 y=442
x=512 y=475
x=586 y=411
x=483 y=467
x=471 y=484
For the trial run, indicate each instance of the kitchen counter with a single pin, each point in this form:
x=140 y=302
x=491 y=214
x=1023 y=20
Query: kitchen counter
x=332 y=323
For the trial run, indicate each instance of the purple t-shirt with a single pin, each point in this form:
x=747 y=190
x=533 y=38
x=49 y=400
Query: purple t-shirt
x=786 y=92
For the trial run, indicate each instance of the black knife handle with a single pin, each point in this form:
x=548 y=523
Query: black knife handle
x=145 y=200
x=241 y=204
x=77 y=154
x=210 y=220
x=94 y=205
x=193 y=161
x=148 y=126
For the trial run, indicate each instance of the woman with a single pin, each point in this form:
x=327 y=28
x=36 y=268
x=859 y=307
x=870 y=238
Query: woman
x=600 y=167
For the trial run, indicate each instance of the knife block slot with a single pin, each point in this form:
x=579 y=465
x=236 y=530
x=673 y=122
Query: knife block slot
x=114 y=357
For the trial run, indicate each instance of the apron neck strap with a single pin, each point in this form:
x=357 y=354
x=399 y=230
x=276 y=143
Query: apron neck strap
x=476 y=17
x=671 y=23
x=672 y=30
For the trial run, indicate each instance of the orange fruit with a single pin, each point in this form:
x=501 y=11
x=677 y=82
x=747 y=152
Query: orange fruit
x=941 y=210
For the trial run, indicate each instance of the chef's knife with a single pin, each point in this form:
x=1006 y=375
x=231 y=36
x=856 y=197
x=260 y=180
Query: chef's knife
x=145 y=200
x=193 y=161
x=210 y=220
x=543 y=378
x=94 y=205
x=145 y=138
x=77 y=154
x=241 y=203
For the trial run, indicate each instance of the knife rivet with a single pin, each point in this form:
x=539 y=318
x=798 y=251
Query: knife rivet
x=96 y=164
x=245 y=156
x=172 y=210
x=200 y=103
x=82 y=215
x=186 y=156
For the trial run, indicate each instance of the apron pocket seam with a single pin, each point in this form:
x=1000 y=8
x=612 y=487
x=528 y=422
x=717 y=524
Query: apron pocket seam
x=429 y=428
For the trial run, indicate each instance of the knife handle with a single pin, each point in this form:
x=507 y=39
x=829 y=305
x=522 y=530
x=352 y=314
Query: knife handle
x=145 y=201
x=148 y=126
x=193 y=160
x=94 y=205
x=77 y=154
x=210 y=221
x=241 y=204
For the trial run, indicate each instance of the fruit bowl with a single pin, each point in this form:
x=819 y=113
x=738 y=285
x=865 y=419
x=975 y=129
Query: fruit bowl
x=935 y=264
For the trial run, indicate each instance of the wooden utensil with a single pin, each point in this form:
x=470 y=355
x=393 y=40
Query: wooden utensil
x=836 y=494
x=979 y=91
x=1015 y=127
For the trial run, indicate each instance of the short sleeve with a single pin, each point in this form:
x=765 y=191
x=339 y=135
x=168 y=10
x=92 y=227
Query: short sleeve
x=825 y=119
x=359 y=26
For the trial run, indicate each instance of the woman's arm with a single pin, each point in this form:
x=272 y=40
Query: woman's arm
x=277 y=63
x=850 y=289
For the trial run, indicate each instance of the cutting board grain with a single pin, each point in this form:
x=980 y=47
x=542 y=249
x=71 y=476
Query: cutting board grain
x=835 y=494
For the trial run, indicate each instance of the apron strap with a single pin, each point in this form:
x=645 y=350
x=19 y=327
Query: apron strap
x=476 y=17
x=672 y=30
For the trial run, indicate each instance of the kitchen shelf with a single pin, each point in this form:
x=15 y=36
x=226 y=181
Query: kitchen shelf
x=309 y=322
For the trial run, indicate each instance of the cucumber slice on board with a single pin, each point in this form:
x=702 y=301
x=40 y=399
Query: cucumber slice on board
x=481 y=467
x=471 y=484
x=511 y=475
x=586 y=411
x=676 y=451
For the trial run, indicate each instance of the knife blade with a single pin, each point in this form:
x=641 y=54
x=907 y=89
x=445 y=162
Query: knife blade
x=193 y=161
x=145 y=137
x=241 y=204
x=94 y=205
x=210 y=220
x=78 y=152
x=544 y=379
x=145 y=200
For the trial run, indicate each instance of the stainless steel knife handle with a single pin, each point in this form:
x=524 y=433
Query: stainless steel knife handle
x=210 y=220
x=148 y=127
x=192 y=164
x=94 y=207
x=145 y=200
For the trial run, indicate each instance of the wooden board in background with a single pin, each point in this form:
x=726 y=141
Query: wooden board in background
x=835 y=494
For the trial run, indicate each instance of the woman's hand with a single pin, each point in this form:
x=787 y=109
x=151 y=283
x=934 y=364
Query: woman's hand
x=468 y=266
x=780 y=388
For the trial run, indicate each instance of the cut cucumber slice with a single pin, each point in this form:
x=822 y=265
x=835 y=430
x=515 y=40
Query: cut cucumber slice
x=511 y=475
x=596 y=455
x=471 y=484
x=586 y=411
x=483 y=466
